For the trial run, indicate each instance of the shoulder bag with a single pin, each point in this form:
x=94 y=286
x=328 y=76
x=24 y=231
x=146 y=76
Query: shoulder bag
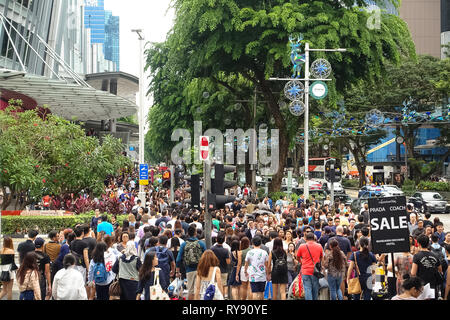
x=213 y=292
x=354 y=286
x=114 y=288
x=5 y=276
x=317 y=267
x=156 y=291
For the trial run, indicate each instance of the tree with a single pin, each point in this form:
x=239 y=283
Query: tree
x=50 y=155
x=250 y=38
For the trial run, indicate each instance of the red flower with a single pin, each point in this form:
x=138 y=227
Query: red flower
x=35 y=124
x=67 y=164
x=37 y=166
x=44 y=181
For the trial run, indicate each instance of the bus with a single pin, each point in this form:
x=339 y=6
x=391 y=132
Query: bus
x=317 y=169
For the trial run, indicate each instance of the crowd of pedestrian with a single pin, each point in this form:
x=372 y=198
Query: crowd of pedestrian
x=261 y=249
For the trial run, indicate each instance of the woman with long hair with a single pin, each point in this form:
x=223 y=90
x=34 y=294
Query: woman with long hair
x=28 y=278
x=292 y=263
x=123 y=240
x=97 y=262
x=364 y=260
x=234 y=281
x=7 y=264
x=335 y=262
x=242 y=253
x=208 y=266
x=147 y=275
x=279 y=275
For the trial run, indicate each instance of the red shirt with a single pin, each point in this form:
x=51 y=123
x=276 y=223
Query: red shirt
x=305 y=258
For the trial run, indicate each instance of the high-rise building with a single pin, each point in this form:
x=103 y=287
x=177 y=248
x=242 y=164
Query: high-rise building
x=112 y=39
x=94 y=19
x=428 y=22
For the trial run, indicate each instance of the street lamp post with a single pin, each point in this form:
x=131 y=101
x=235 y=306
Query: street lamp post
x=141 y=115
x=307 y=80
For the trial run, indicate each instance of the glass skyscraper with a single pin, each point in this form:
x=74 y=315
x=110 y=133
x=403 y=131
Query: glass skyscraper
x=94 y=19
x=112 y=39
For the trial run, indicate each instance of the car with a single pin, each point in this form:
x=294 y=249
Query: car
x=346 y=199
x=358 y=203
x=392 y=190
x=431 y=202
x=371 y=189
x=284 y=182
x=338 y=188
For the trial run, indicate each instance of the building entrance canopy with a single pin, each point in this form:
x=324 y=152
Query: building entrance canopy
x=70 y=101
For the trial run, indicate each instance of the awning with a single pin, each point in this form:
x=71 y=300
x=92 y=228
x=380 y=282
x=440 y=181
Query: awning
x=70 y=101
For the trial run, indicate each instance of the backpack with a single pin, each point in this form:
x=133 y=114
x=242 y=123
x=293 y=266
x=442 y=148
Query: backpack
x=78 y=258
x=163 y=257
x=280 y=264
x=192 y=253
x=440 y=256
x=39 y=257
x=100 y=274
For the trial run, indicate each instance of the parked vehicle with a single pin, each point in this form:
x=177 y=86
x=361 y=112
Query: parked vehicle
x=346 y=199
x=431 y=202
x=338 y=188
x=392 y=190
x=371 y=190
x=284 y=182
x=358 y=203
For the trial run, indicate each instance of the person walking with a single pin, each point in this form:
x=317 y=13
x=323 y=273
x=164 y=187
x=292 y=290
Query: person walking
x=52 y=248
x=224 y=259
x=68 y=283
x=292 y=263
x=426 y=265
x=147 y=275
x=364 y=259
x=190 y=254
x=335 y=262
x=208 y=271
x=256 y=269
x=279 y=269
x=234 y=279
x=28 y=245
x=98 y=273
x=28 y=278
x=166 y=261
x=308 y=255
x=7 y=264
x=43 y=262
x=240 y=272
x=127 y=267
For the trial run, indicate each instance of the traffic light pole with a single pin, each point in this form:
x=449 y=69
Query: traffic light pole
x=332 y=186
x=206 y=189
x=172 y=183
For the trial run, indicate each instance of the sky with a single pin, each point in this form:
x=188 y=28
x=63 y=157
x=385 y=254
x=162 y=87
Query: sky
x=152 y=16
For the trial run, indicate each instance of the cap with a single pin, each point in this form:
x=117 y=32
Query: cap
x=39 y=242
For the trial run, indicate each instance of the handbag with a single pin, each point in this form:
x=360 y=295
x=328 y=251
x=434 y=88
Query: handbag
x=317 y=267
x=114 y=288
x=156 y=291
x=354 y=286
x=297 y=288
x=212 y=291
x=268 y=291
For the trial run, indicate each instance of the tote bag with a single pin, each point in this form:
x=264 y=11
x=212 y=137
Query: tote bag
x=156 y=291
x=354 y=286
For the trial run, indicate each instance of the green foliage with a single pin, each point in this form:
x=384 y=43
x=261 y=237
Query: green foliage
x=423 y=169
x=45 y=224
x=350 y=183
x=434 y=186
x=277 y=195
x=409 y=187
x=261 y=193
x=53 y=156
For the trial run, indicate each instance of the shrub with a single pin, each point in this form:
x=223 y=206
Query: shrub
x=350 y=183
x=277 y=195
x=434 y=186
x=261 y=193
x=409 y=187
x=45 y=224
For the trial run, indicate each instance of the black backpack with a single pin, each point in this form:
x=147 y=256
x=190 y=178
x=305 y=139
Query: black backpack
x=438 y=253
x=280 y=264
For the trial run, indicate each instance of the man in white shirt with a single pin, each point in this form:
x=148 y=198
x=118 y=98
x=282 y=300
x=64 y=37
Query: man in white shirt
x=68 y=283
x=153 y=218
x=272 y=236
x=256 y=269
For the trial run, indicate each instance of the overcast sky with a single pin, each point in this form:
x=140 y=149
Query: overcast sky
x=152 y=16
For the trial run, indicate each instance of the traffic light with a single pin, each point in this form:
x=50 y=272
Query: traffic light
x=178 y=177
x=218 y=186
x=166 y=179
x=194 y=190
x=333 y=175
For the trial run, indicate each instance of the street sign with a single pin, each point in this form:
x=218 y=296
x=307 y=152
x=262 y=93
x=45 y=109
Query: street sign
x=389 y=225
x=143 y=174
x=204 y=148
x=319 y=90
